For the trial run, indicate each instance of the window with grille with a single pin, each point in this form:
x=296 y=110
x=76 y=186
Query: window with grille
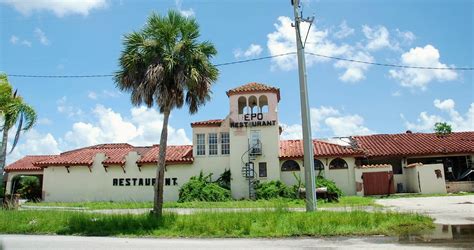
x=200 y=144
x=338 y=163
x=212 y=143
x=225 y=143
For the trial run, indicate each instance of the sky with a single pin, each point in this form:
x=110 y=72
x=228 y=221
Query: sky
x=75 y=37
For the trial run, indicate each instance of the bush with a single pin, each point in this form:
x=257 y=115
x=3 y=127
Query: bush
x=224 y=179
x=274 y=189
x=30 y=188
x=201 y=188
x=331 y=186
x=2 y=190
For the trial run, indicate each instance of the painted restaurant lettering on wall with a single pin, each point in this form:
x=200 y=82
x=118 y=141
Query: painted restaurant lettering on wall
x=252 y=120
x=142 y=181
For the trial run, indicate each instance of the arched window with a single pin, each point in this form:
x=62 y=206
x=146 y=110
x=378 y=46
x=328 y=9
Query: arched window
x=318 y=165
x=263 y=103
x=253 y=104
x=290 y=165
x=242 y=104
x=338 y=163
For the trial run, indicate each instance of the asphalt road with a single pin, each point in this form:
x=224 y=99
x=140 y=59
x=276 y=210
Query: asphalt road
x=450 y=210
x=74 y=242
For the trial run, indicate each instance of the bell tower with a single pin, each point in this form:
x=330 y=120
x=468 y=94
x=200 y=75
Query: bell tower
x=254 y=136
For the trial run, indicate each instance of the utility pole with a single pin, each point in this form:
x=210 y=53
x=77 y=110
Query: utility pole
x=310 y=182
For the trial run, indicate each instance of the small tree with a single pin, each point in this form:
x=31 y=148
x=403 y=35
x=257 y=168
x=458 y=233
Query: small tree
x=442 y=128
x=30 y=188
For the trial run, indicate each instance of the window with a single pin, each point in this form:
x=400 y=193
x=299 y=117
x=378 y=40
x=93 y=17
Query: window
x=338 y=163
x=253 y=104
x=318 y=165
x=200 y=144
x=255 y=143
x=290 y=165
x=262 y=169
x=212 y=143
x=242 y=104
x=225 y=143
x=263 y=103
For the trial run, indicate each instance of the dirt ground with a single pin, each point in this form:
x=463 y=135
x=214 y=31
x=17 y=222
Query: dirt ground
x=451 y=210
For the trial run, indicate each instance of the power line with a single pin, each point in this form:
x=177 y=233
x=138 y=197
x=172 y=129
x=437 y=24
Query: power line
x=391 y=65
x=265 y=58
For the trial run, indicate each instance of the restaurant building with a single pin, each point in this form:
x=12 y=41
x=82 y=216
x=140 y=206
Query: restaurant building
x=247 y=142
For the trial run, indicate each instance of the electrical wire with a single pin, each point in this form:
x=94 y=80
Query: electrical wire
x=391 y=65
x=265 y=58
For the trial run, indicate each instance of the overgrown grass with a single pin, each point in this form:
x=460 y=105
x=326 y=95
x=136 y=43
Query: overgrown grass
x=280 y=223
x=344 y=201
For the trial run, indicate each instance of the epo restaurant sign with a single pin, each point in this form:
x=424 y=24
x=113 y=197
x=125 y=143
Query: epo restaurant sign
x=252 y=120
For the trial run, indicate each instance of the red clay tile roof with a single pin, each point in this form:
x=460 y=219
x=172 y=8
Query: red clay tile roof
x=208 y=123
x=415 y=144
x=115 y=155
x=294 y=149
x=26 y=163
x=376 y=166
x=416 y=164
x=254 y=87
x=174 y=155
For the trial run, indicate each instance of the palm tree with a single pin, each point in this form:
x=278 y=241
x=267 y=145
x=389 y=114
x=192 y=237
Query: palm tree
x=165 y=65
x=12 y=111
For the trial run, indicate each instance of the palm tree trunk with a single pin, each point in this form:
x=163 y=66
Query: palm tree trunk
x=3 y=150
x=160 y=171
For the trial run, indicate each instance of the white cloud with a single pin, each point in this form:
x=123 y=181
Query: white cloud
x=185 y=12
x=407 y=36
x=326 y=119
x=252 y=50
x=354 y=71
x=427 y=56
x=425 y=122
x=64 y=107
x=318 y=115
x=347 y=125
x=33 y=143
x=344 y=31
x=377 y=37
x=397 y=93
x=144 y=128
x=59 y=7
x=102 y=95
x=44 y=121
x=41 y=36
x=92 y=95
x=283 y=40
x=26 y=43
x=445 y=105
x=291 y=132
x=14 y=39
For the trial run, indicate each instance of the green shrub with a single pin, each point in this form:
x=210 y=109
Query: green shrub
x=2 y=189
x=274 y=189
x=30 y=188
x=224 y=179
x=201 y=188
x=331 y=185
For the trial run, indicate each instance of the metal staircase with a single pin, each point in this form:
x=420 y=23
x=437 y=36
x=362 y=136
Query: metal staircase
x=248 y=168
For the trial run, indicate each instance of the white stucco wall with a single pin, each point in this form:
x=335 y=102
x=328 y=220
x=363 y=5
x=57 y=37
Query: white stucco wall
x=430 y=183
x=423 y=179
x=82 y=185
x=344 y=178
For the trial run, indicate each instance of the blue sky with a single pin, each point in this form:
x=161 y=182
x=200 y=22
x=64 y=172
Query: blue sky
x=84 y=37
